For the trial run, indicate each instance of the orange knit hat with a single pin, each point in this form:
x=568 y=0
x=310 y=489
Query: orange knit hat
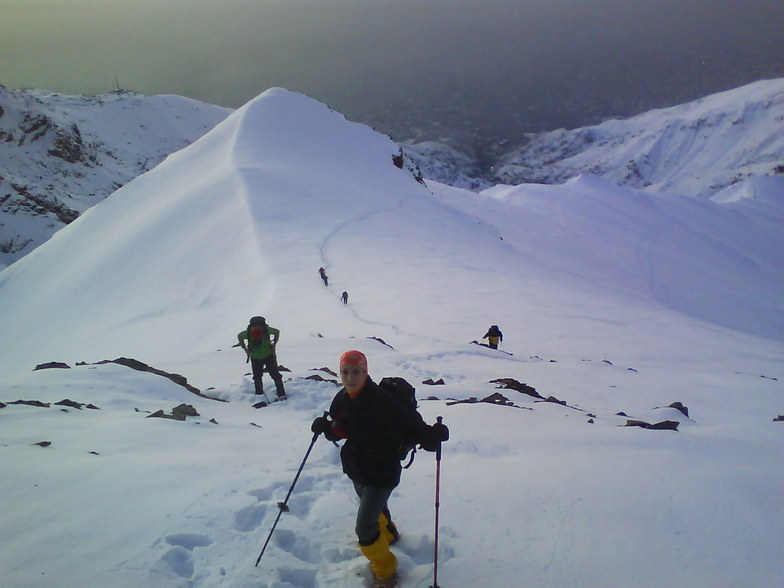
x=354 y=357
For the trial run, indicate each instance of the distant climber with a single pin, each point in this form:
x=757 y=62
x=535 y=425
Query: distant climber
x=344 y=297
x=494 y=336
x=323 y=274
x=259 y=341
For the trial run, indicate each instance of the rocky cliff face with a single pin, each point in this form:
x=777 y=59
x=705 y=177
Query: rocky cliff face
x=60 y=155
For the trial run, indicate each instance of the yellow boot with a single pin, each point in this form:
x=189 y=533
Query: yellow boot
x=388 y=529
x=382 y=561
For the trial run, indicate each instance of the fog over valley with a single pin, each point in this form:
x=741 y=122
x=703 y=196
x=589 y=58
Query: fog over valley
x=478 y=74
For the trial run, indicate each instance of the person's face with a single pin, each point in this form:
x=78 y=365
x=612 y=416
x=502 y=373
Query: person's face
x=353 y=378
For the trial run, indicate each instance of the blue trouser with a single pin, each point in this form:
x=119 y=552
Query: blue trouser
x=372 y=502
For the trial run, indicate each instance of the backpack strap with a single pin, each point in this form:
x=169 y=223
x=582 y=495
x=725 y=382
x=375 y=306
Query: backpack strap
x=411 y=458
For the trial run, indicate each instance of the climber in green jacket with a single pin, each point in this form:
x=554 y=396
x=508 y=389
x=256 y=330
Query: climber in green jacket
x=259 y=341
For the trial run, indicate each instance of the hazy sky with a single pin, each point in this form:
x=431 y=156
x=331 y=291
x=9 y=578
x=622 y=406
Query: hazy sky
x=376 y=60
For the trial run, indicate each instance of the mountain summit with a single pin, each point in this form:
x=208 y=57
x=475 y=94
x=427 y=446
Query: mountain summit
x=232 y=223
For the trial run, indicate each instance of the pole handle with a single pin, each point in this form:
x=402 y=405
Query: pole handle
x=439 y=420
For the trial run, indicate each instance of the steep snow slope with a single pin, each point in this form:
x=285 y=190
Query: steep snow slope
x=697 y=148
x=62 y=154
x=557 y=492
x=236 y=202
x=694 y=256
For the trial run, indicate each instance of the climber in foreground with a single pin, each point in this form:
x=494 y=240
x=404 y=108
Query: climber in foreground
x=375 y=426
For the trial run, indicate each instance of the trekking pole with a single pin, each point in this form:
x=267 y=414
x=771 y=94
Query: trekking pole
x=283 y=506
x=438 y=506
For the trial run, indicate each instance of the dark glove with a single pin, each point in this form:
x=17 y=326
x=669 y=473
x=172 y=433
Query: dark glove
x=439 y=432
x=321 y=425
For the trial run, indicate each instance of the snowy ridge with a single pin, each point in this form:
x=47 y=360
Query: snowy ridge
x=596 y=288
x=62 y=154
x=697 y=148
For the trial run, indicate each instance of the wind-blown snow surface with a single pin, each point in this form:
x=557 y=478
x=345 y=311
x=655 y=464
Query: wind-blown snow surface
x=595 y=288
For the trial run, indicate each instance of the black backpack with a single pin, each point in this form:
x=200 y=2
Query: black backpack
x=257 y=331
x=405 y=395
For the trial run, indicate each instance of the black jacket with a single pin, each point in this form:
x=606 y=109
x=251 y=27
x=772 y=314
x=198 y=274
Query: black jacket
x=375 y=427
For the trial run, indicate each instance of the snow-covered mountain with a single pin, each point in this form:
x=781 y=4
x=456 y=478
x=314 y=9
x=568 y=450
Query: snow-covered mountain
x=446 y=165
x=697 y=148
x=62 y=154
x=576 y=479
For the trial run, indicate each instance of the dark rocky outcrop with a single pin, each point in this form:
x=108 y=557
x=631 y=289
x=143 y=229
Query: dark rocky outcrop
x=76 y=405
x=178 y=413
x=143 y=367
x=318 y=378
x=51 y=365
x=380 y=340
x=68 y=145
x=512 y=384
x=36 y=403
x=496 y=398
x=660 y=426
x=679 y=406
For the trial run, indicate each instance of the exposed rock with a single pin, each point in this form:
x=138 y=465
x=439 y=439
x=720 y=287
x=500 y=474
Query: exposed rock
x=661 y=426
x=178 y=413
x=430 y=382
x=512 y=384
x=679 y=406
x=68 y=145
x=37 y=403
x=496 y=398
x=38 y=205
x=380 y=340
x=324 y=369
x=143 y=367
x=43 y=443
x=51 y=365
x=34 y=127
x=70 y=403
x=779 y=419
x=184 y=410
x=319 y=378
